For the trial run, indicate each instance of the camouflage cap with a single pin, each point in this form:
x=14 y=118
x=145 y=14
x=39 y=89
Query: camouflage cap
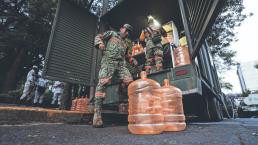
x=128 y=27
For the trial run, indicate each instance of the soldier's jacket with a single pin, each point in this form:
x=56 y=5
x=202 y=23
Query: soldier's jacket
x=116 y=47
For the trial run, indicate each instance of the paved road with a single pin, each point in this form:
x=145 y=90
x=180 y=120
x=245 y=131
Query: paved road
x=229 y=132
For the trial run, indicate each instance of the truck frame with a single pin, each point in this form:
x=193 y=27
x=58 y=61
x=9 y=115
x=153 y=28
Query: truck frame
x=71 y=56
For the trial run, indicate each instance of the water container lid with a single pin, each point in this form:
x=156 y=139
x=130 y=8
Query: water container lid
x=166 y=83
x=143 y=75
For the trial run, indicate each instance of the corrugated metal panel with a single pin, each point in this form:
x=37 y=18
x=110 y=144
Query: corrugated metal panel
x=199 y=16
x=70 y=52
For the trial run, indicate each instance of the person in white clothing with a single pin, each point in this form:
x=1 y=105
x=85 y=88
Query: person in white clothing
x=58 y=89
x=41 y=86
x=30 y=82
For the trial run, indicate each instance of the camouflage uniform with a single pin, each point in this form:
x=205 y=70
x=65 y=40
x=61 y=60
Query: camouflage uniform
x=113 y=60
x=30 y=83
x=41 y=86
x=58 y=91
x=154 y=52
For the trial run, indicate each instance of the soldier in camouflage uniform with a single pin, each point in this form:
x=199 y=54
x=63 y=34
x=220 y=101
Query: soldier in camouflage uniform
x=32 y=77
x=114 y=46
x=154 y=53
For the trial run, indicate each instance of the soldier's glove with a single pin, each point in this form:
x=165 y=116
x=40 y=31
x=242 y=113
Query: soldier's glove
x=102 y=46
x=133 y=61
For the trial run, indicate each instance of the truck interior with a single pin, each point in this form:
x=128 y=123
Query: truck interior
x=135 y=12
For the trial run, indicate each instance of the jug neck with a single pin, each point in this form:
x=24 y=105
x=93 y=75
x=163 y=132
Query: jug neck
x=166 y=83
x=143 y=75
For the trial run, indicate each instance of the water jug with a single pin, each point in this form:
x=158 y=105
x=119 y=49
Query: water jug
x=145 y=109
x=174 y=118
x=182 y=56
x=84 y=104
x=73 y=106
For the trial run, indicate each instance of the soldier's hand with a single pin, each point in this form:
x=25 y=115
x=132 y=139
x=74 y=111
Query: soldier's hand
x=101 y=46
x=133 y=61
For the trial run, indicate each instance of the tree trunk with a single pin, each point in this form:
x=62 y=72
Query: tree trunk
x=11 y=77
x=66 y=98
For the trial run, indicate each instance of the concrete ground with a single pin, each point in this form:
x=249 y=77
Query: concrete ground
x=228 y=132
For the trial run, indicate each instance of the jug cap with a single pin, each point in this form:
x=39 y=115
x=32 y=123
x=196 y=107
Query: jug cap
x=166 y=83
x=143 y=75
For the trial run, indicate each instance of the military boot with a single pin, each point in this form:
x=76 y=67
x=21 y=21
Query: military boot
x=97 y=118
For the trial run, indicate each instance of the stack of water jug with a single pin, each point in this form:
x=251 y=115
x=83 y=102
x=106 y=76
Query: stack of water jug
x=80 y=104
x=154 y=109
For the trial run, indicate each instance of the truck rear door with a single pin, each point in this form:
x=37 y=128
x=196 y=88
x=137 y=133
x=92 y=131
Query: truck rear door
x=70 y=54
x=198 y=17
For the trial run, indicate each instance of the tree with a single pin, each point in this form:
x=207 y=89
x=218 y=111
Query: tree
x=225 y=85
x=246 y=93
x=222 y=35
x=97 y=6
x=25 y=29
x=256 y=66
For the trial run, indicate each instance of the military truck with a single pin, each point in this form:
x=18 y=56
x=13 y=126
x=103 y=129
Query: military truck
x=71 y=56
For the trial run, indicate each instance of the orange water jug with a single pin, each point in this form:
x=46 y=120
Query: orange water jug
x=145 y=109
x=123 y=108
x=174 y=118
x=137 y=48
x=79 y=104
x=182 y=56
x=84 y=104
x=73 y=106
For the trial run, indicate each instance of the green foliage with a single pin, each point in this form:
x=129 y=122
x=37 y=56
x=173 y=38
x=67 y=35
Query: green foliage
x=256 y=66
x=225 y=85
x=48 y=94
x=246 y=93
x=24 y=25
x=18 y=92
x=15 y=93
x=222 y=33
x=97 y=6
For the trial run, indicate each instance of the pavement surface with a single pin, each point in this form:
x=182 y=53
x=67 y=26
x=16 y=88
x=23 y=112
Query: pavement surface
x=228 y=132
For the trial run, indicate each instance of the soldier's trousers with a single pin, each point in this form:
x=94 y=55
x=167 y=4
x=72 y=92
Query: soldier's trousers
x=106 y=72
x=57 y=97
x=39 y=94
x=28 y=88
